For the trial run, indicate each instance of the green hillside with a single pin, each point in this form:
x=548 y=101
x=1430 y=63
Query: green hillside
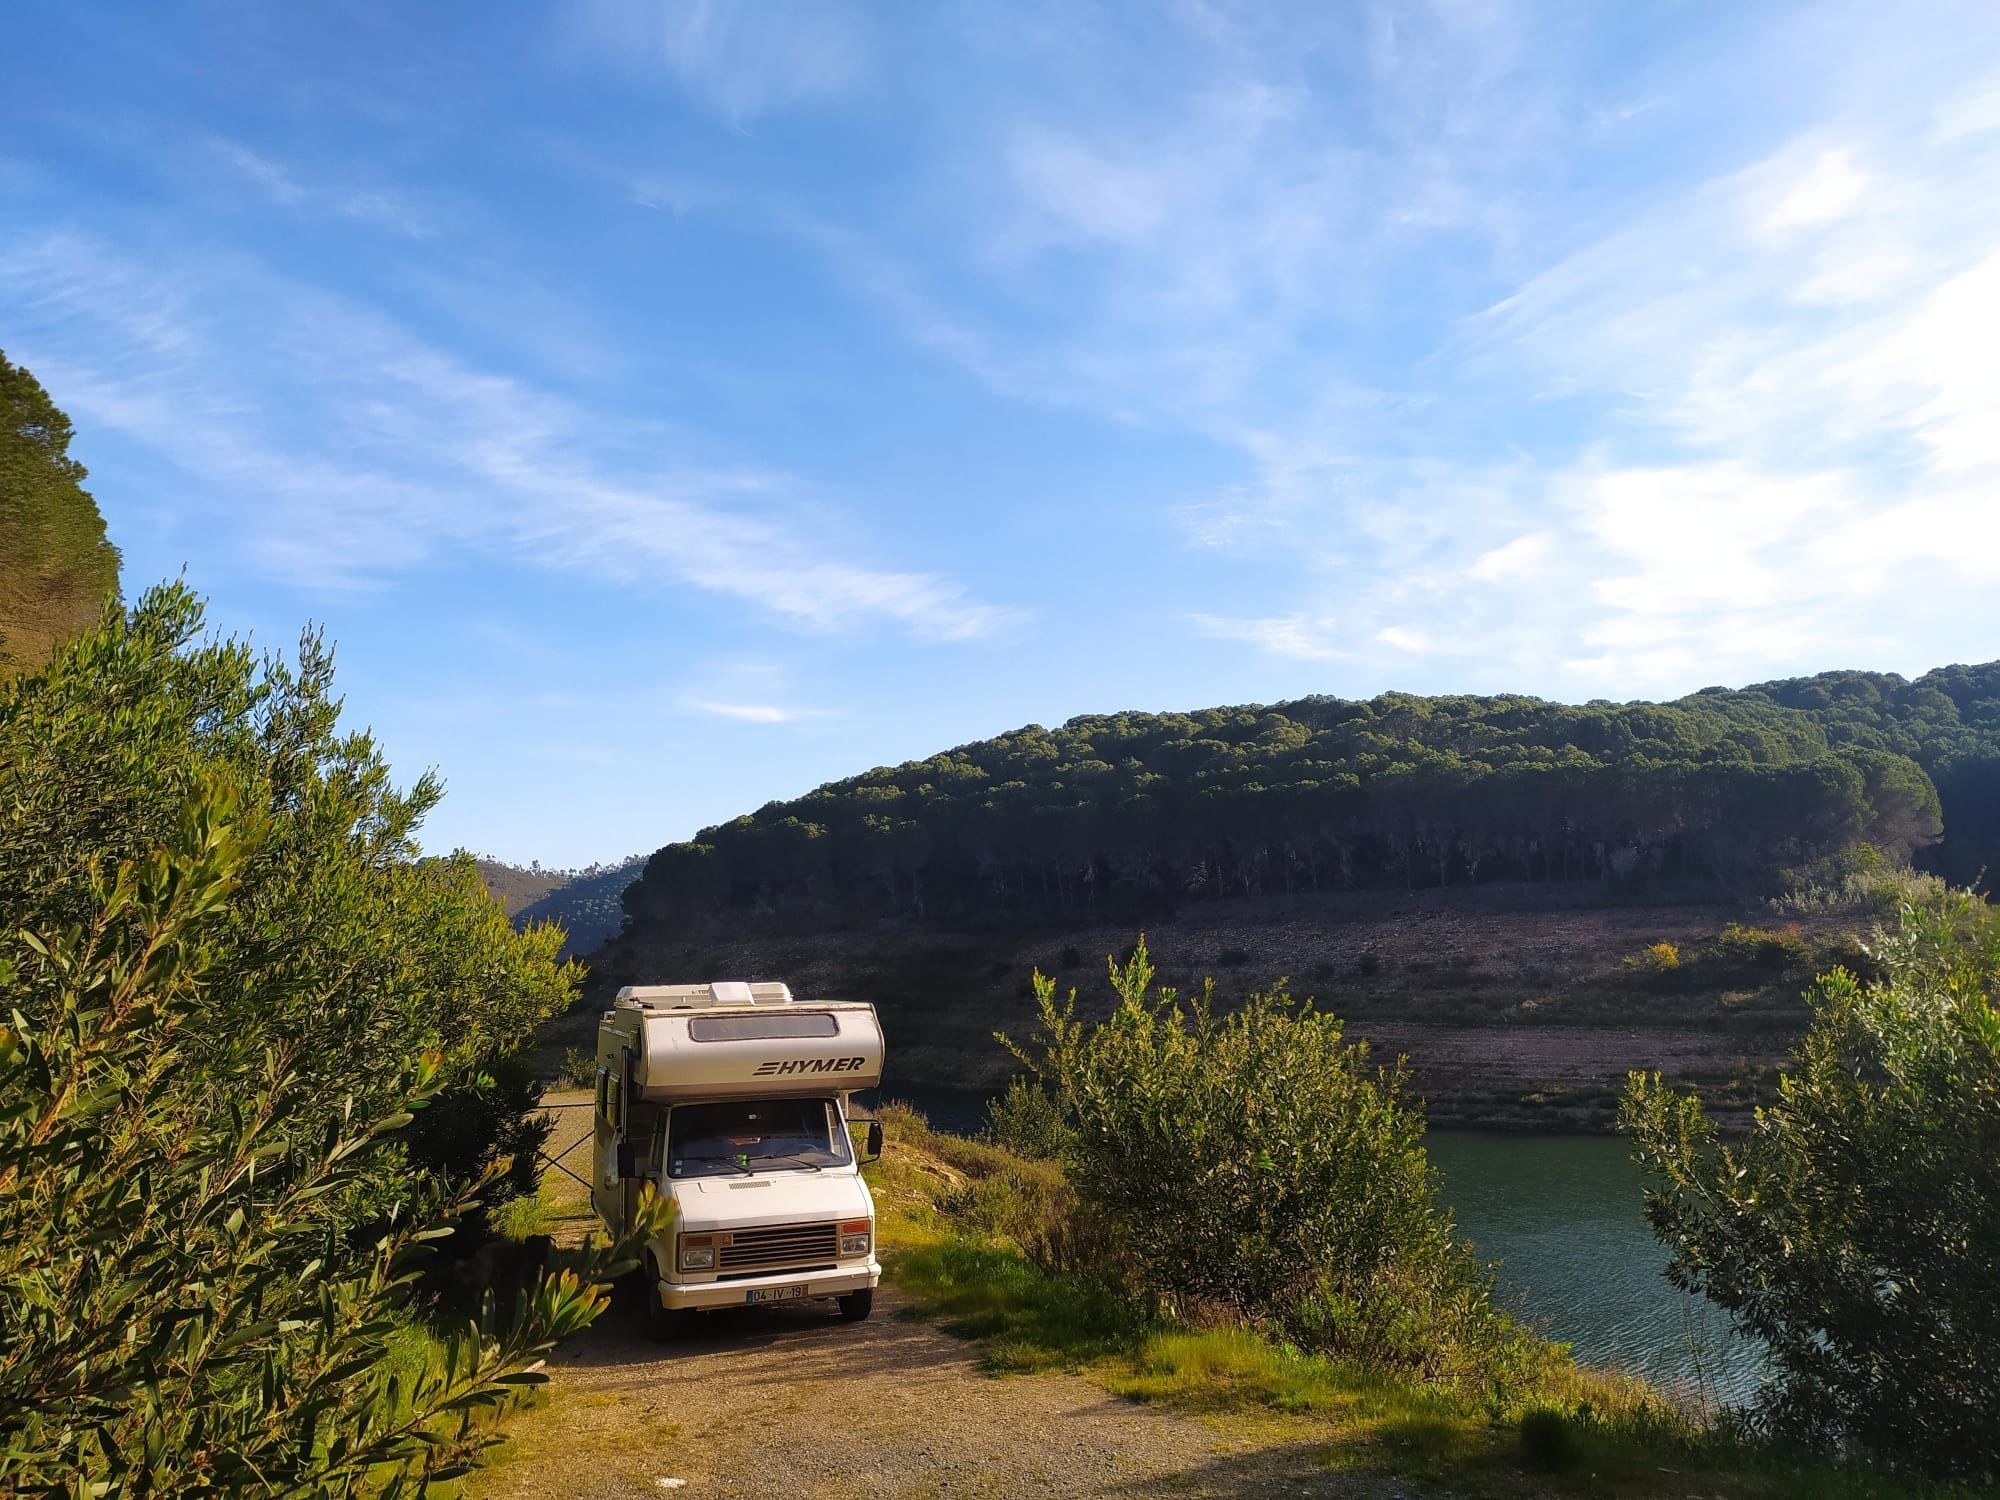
x=1131 y=816
x=57 y=569
x=515 y=886
x=585 y=903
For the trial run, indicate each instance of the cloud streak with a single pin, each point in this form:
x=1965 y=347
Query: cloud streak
x=754 y=713
x=341 y=450
x=739 y=60
x=1760 y=422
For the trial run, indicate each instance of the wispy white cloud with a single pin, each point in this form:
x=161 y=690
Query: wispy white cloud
x=1521 y=558
x=376 y=207
x=1759 y=373
x=1790 y=435
x=385 y=453
x=1298 y=637
x=1403 y=638
x=1829 y=191
x=755 y=713
x=740 y=59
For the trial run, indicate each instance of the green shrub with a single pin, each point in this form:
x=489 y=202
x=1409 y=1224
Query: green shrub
x=347 y=951
x=1760 y=947
x=1854 y=1231
x=57 y=568
x=1656 y=958
x=230 y=979
x=1858 y=879
x=1027 y=1121
x=182 y=1308
x=1261 y=1166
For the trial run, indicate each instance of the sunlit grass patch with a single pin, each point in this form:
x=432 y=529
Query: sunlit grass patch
x=522 y=1218
x=1365 y=1413
x=1028 y=1319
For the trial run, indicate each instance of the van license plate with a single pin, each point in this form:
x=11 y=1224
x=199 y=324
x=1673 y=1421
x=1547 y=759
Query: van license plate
x=773 y=1293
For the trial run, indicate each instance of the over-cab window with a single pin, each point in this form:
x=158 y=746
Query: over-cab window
x=762 y=1028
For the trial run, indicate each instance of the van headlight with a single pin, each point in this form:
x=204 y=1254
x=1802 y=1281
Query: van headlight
x=855 y=1236
x=697 y=1253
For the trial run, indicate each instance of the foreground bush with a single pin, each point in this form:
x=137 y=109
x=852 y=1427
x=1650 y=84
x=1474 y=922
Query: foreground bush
x=1856 y=1230
x=1260 y=1166
x=181 y=1310
x=227 y=976
x=345 y=951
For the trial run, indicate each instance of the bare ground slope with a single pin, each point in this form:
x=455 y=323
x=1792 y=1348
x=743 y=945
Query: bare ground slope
x=1517 y=1006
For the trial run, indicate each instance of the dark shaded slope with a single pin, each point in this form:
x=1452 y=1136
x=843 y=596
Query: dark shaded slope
x=587 y=905
x=516 y=888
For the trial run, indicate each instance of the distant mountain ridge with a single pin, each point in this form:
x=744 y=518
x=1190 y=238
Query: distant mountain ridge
x=1129 y=816
x=584 y=903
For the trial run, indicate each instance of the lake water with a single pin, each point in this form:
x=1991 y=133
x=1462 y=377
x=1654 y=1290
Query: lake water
x=1563 y=1217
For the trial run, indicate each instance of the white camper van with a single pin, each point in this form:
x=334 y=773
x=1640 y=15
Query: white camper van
x=732 y=1099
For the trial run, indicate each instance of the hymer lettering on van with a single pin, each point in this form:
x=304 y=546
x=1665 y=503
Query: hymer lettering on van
x=808 y=1065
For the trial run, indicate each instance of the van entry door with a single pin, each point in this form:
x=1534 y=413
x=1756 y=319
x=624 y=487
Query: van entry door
x=607 y=1186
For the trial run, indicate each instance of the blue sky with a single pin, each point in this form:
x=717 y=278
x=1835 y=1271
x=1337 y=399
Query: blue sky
x=669 y=407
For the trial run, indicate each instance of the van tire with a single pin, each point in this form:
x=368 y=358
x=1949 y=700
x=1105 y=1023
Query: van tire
x=856 y=1306
x=662 y=1323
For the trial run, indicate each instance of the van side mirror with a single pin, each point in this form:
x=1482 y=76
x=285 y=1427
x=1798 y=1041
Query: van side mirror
x=628 y=1159
x=874 y=1147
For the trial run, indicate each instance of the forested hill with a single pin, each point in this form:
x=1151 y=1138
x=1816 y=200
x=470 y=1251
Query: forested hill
x=1132 y=815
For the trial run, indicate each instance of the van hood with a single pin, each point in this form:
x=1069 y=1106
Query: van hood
x=708 y=1203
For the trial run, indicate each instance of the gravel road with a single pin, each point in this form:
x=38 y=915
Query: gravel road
x=790 y=1402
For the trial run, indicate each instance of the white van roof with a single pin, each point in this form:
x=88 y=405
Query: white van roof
x=715 y=1052
x=720 y=992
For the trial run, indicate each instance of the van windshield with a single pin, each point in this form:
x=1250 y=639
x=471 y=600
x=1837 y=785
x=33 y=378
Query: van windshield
x=755 y=1135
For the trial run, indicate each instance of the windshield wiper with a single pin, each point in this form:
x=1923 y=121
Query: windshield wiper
x=797 y=1158
x=719 y=1161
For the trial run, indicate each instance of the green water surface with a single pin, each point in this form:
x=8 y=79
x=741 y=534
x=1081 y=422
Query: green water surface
x=1563 y=1217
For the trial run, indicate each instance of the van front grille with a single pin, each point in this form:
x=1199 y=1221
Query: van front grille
x=779 y=1245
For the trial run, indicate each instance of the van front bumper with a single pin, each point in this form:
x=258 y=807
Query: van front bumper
x=838 y=1282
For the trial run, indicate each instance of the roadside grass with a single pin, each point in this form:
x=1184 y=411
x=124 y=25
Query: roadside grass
x=944 y=1209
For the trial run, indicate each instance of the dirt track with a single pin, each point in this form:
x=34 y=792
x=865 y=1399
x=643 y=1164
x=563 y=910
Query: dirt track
x=783 y=1402
x=788 y=1401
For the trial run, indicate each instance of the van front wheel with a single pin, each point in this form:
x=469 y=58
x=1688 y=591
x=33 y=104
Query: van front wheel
x=662 y=1322
x=856 y=1305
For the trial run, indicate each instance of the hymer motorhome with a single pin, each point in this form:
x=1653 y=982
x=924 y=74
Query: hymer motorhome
x=732 y=1099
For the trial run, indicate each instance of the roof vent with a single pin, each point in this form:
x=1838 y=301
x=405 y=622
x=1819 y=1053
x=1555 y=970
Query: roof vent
x=719 y=993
